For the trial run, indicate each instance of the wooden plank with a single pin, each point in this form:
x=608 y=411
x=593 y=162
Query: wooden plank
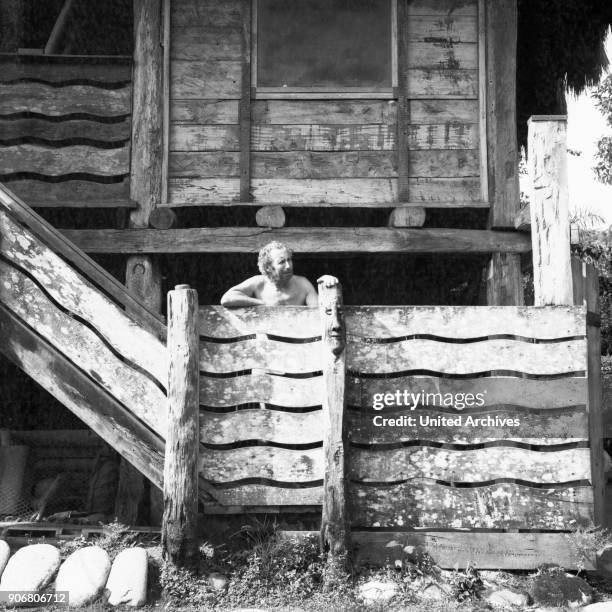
x=56 y=101
x=442 y=136
x=279 y=464
x=261 y=388
x=324 y=112
x=501 y=35
x=202 y=192
x=166 y=42
x=465 y=322
x=505 y=280
x=103 y=70
x=181 y=461
x=498 y=392
x=469 y=466
x=442 y=8
x=335 y=530
x=279 y=357
x=191 y=42
x=443 y=111
x=482 y=99
x=510 y=551
x=403 y=105
x=204 y=165
x=463 y=191
x=447 y=83
x=27 y=129
x=442 y=56
x=64 y=160
x=204 y=111
x=264 y=425
x=82 y=298
x=86 y=266
x=71 y=193
x=203 y=79
x=204 y=138
x=444 y=163
x=491 y=355
x=422 y=503
x=206 y=13
x=83 y=347
x=263 y=495
x=451 y=29
x=244 y=106
x=302 y=240
x=89 y=402
x=549 y=206
x=541 y=427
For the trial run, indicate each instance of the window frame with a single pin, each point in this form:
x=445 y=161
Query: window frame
x=324 y=93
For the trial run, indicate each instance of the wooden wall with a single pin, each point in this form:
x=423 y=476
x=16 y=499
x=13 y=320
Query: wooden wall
x=327 y=151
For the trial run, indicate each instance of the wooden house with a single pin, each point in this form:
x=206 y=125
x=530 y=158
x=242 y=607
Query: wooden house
x=406 y=107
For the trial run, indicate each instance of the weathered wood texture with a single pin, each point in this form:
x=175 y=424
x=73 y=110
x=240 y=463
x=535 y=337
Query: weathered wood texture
x=552 y=274
x=179 y=526
x=502 y=153
x=72 y=148
x=505 y=280
x=341 y=141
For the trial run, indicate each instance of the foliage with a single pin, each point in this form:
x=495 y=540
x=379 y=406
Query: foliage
x=603 y=156
x=466 y=584
x=586 y=542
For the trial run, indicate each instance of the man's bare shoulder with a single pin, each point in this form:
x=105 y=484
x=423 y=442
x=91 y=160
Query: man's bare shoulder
x=302 y=281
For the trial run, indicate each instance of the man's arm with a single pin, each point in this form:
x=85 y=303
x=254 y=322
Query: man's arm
x=242 y=294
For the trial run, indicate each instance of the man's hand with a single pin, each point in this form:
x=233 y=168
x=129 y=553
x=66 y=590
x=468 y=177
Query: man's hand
x=328 y=280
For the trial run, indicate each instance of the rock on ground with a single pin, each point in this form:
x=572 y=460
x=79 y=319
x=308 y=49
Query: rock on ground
x=83 y=574
x=507 y=598
x=376 y=591
x=127 y=581
x=217 y=581
x=433 y=592
x=602 y=606
x=31 y=568
x=559 y=589
x=5 y=553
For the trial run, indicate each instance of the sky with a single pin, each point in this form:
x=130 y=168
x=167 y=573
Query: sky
x=585 y=126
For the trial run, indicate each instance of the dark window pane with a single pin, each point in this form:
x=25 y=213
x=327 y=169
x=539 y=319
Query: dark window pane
x=324 y=43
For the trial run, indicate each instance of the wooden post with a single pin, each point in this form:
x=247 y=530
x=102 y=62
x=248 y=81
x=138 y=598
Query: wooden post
x=335 y=535
x=550 y=230
x=179 y=526
x=505 y=280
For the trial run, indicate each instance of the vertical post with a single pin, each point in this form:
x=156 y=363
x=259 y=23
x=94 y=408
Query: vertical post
x=505 y=280
x=550 y=228
x=334 y=524
x=179 y=526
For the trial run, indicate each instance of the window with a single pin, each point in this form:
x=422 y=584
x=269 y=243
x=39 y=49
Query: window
x=324 y=46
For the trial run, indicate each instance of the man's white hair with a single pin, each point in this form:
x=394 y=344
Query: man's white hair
x=264 y=259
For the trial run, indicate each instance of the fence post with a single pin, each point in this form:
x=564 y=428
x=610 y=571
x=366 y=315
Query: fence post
x=179 y=526
x=550 y=228
x=334 y=524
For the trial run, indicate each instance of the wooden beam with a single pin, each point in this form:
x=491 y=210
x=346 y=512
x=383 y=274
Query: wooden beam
x=501 y=34
x=549 y=205
x=334 y=520
x=53 y=44
x=303 y=240
x=522 y=221
x=179 y=526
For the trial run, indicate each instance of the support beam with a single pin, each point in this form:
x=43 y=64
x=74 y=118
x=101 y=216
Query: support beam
x=502 y=154
x=302 y=240
x=505 y=280
x=550 y=235
x=335 y=531
x=53 y=45
x=179 y=526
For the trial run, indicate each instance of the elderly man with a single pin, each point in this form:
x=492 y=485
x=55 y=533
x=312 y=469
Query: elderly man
x=276 y=285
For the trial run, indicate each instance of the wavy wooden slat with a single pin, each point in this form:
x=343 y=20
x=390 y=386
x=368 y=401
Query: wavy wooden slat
x=498 y=506
x=542 y=428
x=272 y=355
x=280 y=464
x=261 y=388
x=55 y=101
x=263 y=495
x=289 y=321
x=541 y=394
x=83 y=348
x=65 y=160
x=488 y=355
x=53 y=131
x=466 y=322
x=261 y=424
x=81 y=298
x=469 y=466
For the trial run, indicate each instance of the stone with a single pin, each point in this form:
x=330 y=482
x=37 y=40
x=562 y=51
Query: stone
x=5 y=553
x=83 y=574
x=507 y=598
x=561 y=590
x=376 y=591
x=217 y=581
x=31 y=568
x=603 y=560
x=433 y=592
x=127 y=581
x=602 y=606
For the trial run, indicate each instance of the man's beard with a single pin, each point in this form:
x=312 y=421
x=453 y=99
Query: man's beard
x=278 y=278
